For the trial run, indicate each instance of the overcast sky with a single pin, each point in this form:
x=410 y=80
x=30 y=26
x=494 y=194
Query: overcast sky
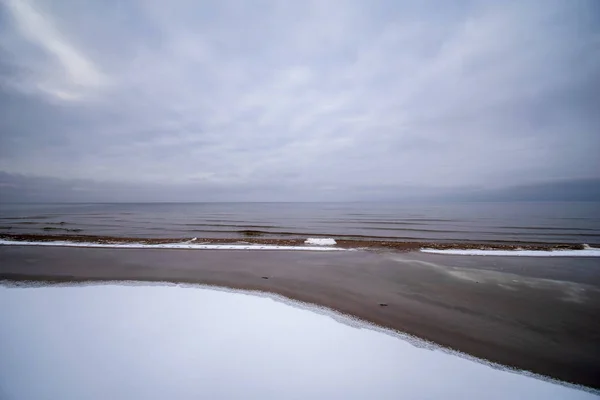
x=281 y=100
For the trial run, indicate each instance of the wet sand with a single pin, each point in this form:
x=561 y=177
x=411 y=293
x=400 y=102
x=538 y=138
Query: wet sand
x=536 y=314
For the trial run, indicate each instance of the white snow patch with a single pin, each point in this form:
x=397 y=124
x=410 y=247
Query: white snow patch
x=320 y=241
x=137 y=342
x=186 y=245
x=586 y=252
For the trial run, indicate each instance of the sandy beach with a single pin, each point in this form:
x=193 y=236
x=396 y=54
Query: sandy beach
x=538 y=315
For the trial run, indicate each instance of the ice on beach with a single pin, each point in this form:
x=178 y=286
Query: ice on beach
x=320 y=241
x=191 y=245
x=586 y=252
x=118 y=341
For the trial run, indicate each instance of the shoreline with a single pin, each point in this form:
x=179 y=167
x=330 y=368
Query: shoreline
x=400 y=246
x=545 y=323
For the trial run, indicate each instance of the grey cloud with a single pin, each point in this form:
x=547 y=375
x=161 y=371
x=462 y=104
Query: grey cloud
x=280 y=100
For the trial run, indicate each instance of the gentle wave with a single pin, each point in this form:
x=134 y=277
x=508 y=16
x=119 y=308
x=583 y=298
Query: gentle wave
x=546 y=228
x=208 y=231
x=516 y=224
x=233 y=226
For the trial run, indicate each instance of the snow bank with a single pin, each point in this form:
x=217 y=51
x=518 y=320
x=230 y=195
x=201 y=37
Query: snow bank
x=186 y=245
x=139 y=342
x=320 y=241
x=587 y=252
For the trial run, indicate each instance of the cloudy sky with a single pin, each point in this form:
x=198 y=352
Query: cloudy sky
x=285 y=100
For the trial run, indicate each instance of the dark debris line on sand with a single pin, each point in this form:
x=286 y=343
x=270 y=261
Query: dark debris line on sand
x=343 y=243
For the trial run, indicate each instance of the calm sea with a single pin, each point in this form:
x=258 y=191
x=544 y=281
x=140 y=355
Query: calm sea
x=568 y=222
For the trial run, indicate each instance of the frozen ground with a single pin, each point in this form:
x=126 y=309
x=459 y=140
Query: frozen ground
x=122 y=341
